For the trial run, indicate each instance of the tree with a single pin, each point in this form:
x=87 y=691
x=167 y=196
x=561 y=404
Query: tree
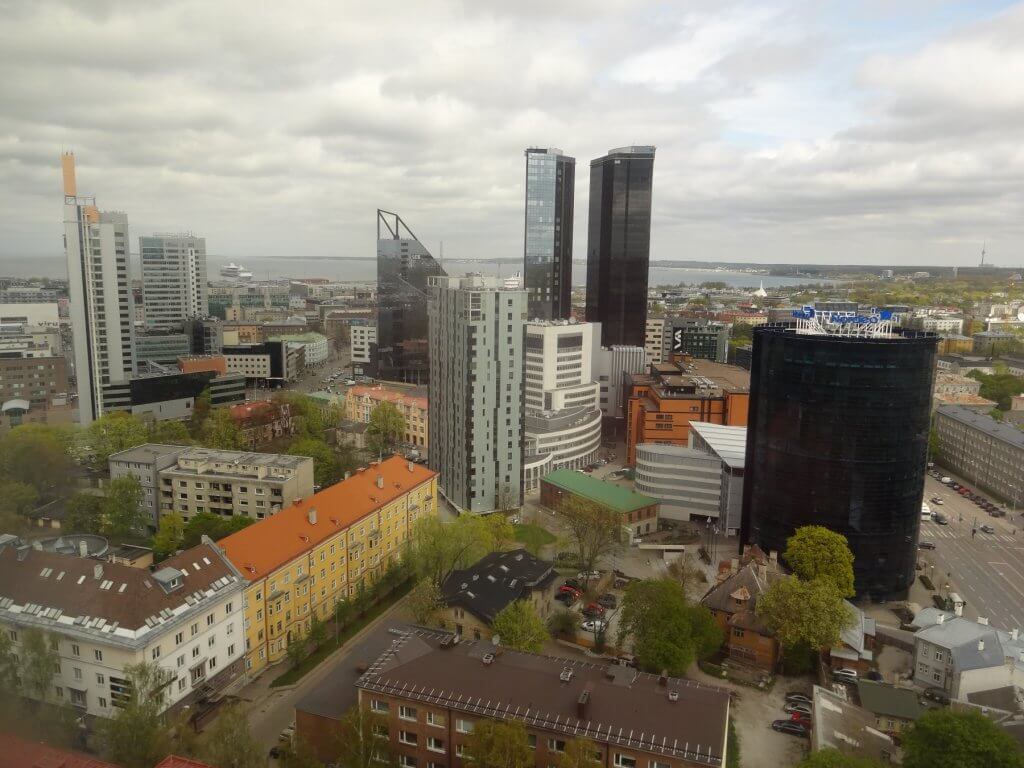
x=595 y=530
x=934 y=447
x=386 y=428
x=83 y=514
x=123 y=517
x=688 y=574
x=220 y=431
x=667 y=633
x=815 y=552
x=509 y=498
x=496 y=744
x=38 y=456
x=113 y=432
x=833 y=758
x=519 y=627
x=38 y=664
x=169 y=433
x=499 y=531
x=214 y=526
x=170 y=535
x=200 y=411
x=424 y=602
x=301 y=755
x=439 y=547
x=317 y=633
x=942 y=738
x=325 y=462
x=17 y=497
x=579 y=753
x=135 y=737
x=810 y=612
x=361 y=740
x=296 y=650
x=564 y=623
x=229 y=742
x=8 y=664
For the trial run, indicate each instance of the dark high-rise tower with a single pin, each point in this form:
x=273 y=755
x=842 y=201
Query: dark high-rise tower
x=619 y=244
x=840 y=410
x=403 y=266
x=547 y=248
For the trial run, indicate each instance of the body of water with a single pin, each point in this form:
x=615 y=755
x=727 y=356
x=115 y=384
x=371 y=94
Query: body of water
x=365 y=270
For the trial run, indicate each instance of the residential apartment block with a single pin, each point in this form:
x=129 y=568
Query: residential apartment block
x=144 y=463
x=364 y=345
x=411 y=402
x=234 y=483
x=317 y=552
x=434 y=691
x=983 y=451
x=961 y=656
x=186 y=617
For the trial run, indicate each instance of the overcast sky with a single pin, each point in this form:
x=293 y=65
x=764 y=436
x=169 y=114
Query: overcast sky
x=876 y=131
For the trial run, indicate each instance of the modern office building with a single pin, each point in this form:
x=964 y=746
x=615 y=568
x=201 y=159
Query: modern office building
x=695 y=337
x=99 y=286
x=314 y=344
x=983 y=451
x=28 y=294
x=562 y=427
x=233 y=483
x=271 y=363
x=936 y=323
x=838 y=436
x=206 y=336
x=661 y=404
x=654 y=339
x=322 y=549
x=613 y=365
x=168 y=394
x=619 y=244
x=476 y=391
x=185 y=617
x=404 y=268
x=547 y=249
x=144 y=463
x=45 y=314
x=363 y=346
x=240 y=300
x=161 y=347
x=174 y=286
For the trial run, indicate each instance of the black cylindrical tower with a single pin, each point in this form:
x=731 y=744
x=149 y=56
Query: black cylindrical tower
x=838 y=436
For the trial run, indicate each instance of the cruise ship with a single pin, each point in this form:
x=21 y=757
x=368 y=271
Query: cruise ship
x=235 y=270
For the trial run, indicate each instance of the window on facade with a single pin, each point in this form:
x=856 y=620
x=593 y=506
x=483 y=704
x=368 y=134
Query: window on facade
x=98 y=654
x=75 y=650
x=531 y=740
x=556 y=745
x=624 y=761
x=407 y=737
x=407 y=762
x=464 y=726
x=407 y=713
x=379 y=706
x=435 y=720
x=435 y=744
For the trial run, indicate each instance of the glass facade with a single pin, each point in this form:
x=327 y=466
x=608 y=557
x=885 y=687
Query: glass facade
x=403 y=267
x=838 y=436
x=547 y=255
x=619 y=244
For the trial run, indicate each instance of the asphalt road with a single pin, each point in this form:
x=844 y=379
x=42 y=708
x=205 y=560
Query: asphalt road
x=987 y=570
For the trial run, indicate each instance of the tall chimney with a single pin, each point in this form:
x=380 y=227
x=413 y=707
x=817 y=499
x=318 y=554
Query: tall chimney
x=380 y=481
x=311 y=515
x=981 y=645
x=983 y=620
x=959 y=609
x=409 y=466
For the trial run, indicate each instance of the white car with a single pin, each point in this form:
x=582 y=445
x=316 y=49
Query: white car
x=350 y=382
x=595 y=625
x=845 y=674
x=946 y=480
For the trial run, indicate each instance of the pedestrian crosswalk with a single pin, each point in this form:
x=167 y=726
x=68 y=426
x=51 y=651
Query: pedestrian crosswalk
x=942 y=532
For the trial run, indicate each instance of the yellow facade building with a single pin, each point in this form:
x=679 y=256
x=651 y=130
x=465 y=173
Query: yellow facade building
x=315 y=553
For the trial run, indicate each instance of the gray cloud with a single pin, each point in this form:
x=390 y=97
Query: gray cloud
x=279 y=129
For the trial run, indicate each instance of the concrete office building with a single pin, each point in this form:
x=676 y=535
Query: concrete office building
x=234 y=483
x=162 y=348
x=364 y=346
x=476 y=391
x=174 y=287
x=144 y=463
x=654 y=339
x=272 y=362
x=547 y=248
x=613 y=365
x=936 y=323
x=100 y=618
x=44 y=314
x=983 y=451
x=563 y=414
x=314 y=344
x=619 y=244
x=168 y=394
x=28 y=294
x=99 y=286
x=206 y=336
x=698 y=338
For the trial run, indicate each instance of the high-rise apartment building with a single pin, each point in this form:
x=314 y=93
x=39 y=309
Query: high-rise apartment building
x=563 y=414
x=173 y=279
x=619 y=244
x=404 y=267
x=476 y=391
x=547 y=249
x=840 y=411
x=99 y=288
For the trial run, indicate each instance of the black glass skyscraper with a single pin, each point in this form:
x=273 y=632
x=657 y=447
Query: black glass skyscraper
x=619 y=244
x=838 y=436
x=547 y=245
x=403 y=266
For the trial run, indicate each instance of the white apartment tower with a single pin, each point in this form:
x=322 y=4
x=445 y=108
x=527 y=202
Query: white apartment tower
x=173 y=279
x=476 y=396
x=100 y=291
x=563 y=413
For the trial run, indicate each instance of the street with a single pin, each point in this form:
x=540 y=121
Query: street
x=987 y=570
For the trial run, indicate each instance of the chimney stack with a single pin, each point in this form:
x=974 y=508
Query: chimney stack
x=582 y=705
x=959 y=609
x=940 y=618
x=97 y=571
x=311 y=515
x=83 y=548
x=981 y=645
x=773 y=556
x=380 y=481
x=1014 y=633
x=409 y=466
x=983 y=620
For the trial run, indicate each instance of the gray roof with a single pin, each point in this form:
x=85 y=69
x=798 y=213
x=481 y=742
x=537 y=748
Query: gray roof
x=853 y=635
x=729 y=443
x=962 y=637
x=1004 y=433
x=146 y=452
x=838 y=724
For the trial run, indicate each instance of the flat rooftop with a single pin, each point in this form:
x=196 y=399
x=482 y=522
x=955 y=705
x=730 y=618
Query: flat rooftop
x=147 y=452
x=729 y=443
x=998 y=430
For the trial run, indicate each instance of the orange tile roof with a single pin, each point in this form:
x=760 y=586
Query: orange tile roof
x=245 y=410
x=265 y=546
x=173 y=761
x=390 y=395
x=16 y=752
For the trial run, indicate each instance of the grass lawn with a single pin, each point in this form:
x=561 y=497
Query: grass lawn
x=533 y=536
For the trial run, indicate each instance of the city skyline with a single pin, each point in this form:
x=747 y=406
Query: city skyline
x=833 y=135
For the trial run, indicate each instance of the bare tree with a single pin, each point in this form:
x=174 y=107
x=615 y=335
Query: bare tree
x=362 y=740
x=595 y=530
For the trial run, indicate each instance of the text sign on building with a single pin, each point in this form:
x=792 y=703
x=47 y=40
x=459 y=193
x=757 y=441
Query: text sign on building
x=677 y=340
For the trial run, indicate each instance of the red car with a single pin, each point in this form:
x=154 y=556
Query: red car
x=800 y=717
x=566 y=589
x=593 y=609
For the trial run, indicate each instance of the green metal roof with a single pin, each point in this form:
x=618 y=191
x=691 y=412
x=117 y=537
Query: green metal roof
x=610 y=495
x=882 y=699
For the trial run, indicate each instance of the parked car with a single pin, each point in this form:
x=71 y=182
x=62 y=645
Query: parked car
x=845 y=674
x=926 y=545
x=873 y=674
x=595 y=625
x=608 y=600
x=574 y=583
x=937 y=695
x=940 y=519
x=800 y=709
x=946 y=480
x=588 y=575
x=798 y=698
x=350 y=382
x=566 y=589
x=788 y=726
x=997 y=512
x=986 y=528
x=569 y=598
x=593 y=610
x=798 y=717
